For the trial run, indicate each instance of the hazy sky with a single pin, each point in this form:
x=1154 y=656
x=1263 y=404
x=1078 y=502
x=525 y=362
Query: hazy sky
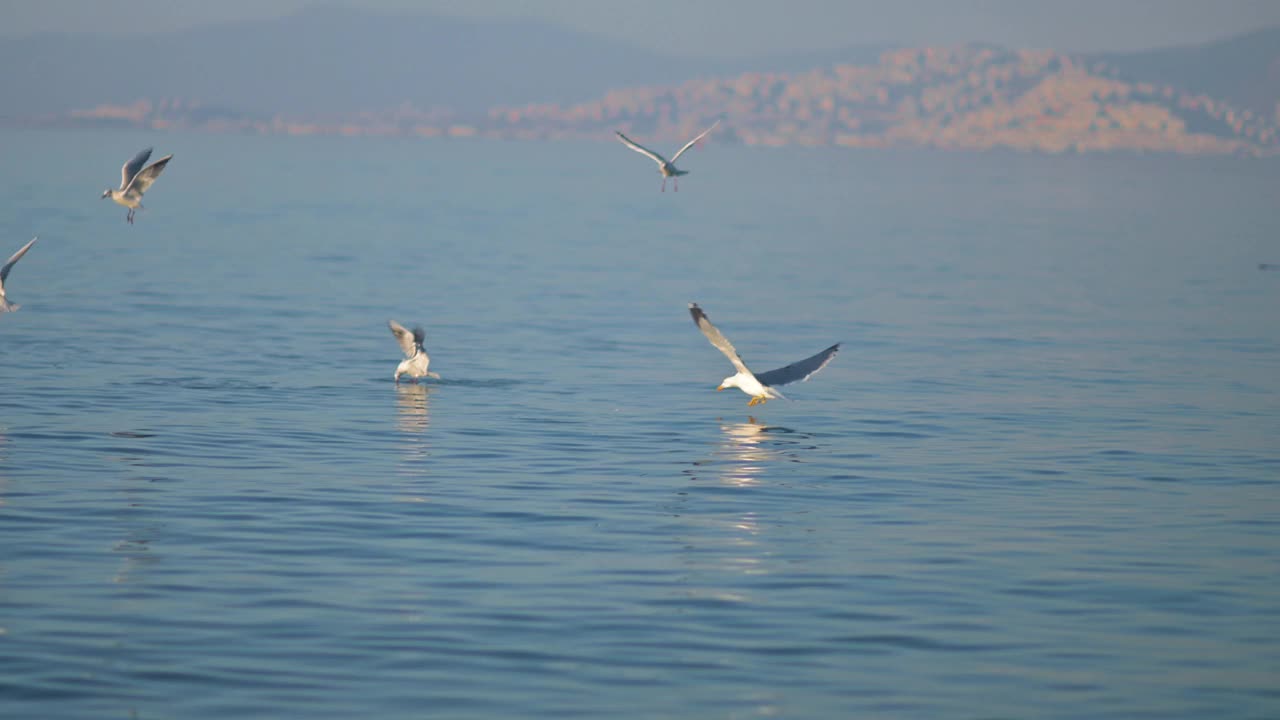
x=738 y=27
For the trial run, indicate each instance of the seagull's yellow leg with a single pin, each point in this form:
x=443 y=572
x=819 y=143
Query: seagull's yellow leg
x=752 y=402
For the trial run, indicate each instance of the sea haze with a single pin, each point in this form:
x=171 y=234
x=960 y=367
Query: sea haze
x=328 y=59
x=1040 y=479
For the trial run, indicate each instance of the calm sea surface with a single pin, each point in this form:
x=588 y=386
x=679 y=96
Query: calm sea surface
x=1041 y=479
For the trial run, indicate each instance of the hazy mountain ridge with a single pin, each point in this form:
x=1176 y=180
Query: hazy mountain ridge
x=1243 y=70
x=424 y=75
x=971 y=98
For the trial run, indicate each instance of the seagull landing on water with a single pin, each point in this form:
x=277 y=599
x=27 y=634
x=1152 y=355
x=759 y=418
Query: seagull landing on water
x=5 y=305
x=759 y=387
x=415 y=358
x=666 y=167
x=134 y=181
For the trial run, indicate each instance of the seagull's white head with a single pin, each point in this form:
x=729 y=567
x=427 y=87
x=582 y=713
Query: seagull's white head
x=729 y=382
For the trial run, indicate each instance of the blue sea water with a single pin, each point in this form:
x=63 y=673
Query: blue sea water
x=1041 y=479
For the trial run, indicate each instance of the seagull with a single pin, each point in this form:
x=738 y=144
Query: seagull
x=5 y=305
x=415 y=358
x=134 y=180
x=666 y=167
x=759 y=387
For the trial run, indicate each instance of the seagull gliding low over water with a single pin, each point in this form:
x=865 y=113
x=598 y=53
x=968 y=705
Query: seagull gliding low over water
x=759 y=387
x=5 y=305
x=134 y=181
x=666 y=167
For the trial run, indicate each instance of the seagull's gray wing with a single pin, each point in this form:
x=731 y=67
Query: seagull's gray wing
x=693 y=142
x=797 y=371
x=720 y=341
x=408 y=341
x=132 y=167
x=147 y=175
x=641 y=149
x=13 y=259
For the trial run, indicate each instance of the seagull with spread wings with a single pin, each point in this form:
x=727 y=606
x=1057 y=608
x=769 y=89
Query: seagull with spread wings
x=134 y=181
x=5 y=305
x=415 y=358
x=759 y=387
x=666 y=167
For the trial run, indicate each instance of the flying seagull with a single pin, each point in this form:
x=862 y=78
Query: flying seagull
x=415 y=358
x=134 y=181
x=666 y=167
x=759 y=387
x=5 y=305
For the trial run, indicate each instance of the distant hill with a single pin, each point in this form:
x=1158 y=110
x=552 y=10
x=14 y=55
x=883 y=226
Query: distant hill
x=344 y=70
x=962 y=98
x=1243 y=70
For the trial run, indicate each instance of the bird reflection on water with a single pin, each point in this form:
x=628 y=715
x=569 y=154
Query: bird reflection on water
x=743 y=458
x=727 y=531
x=751 y=448
x=413 y=407
x=744 y=446
x=136 y=550
x=135 y=556
x=748 y=449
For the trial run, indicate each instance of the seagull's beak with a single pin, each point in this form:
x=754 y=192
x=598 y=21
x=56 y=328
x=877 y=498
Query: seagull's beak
x=719 y=388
